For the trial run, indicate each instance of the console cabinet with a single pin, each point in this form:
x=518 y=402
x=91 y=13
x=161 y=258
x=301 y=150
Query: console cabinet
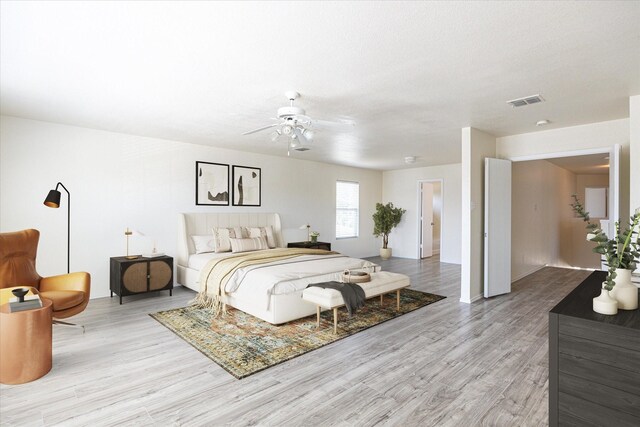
x=594 y=362
x=310 y=245
x=141 y=275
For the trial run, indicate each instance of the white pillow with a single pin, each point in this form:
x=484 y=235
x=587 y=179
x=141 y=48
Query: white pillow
x=250 y=244
x=266 y=232
x=203 y=244
x=222 y=235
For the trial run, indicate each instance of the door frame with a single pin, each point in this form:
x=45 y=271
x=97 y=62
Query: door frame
x=614 y=188
x=419 y=218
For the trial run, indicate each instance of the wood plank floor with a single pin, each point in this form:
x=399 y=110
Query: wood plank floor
x=448 y=364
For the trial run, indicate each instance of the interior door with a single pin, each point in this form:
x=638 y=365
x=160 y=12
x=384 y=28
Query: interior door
x=426 y=242
x=614 y=188
x=497 y=227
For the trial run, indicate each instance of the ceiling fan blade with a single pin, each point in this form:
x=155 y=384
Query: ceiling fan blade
x=260 y=129
x=340 y=125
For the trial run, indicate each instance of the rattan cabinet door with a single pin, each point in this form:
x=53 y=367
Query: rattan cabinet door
x=134 y=278
x=160 y=275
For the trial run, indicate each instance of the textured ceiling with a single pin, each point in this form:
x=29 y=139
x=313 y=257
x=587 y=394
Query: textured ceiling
x=411 y=74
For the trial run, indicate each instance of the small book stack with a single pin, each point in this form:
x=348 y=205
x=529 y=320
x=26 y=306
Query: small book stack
x=153 y=255
x=30 y=302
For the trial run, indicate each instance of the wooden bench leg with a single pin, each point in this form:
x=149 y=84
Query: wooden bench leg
x=318 y=317
x=381 y=299
x=335 y=320
x=398 y=300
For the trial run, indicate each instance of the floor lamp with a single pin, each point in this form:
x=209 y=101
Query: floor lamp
x=53 y=201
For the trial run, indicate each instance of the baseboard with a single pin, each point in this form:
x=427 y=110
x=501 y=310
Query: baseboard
x=472 y=300
x=523 y=275
x=476 y=298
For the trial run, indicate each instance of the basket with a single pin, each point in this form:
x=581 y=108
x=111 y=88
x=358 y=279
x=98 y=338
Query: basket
x=349 y=276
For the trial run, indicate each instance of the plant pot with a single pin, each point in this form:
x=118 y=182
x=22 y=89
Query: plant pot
x=385 y=253
x=314 y=239
x=625 y=292
x=604 y=304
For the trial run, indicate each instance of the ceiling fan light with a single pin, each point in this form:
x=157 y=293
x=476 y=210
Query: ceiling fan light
x=287 y=130
x=275 y=135
x=308 y=133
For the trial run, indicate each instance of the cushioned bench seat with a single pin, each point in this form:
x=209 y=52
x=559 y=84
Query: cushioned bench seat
x=381 y=283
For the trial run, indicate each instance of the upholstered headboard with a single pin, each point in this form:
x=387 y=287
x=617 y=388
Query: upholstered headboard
x=190 y=224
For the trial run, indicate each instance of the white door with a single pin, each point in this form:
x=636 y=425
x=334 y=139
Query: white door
x=614 y=189
x=497 y=227
x=426 y=240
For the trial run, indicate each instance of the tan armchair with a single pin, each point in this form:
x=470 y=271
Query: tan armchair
x=69 y=293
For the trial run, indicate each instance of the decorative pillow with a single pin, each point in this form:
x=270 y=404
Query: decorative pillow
x=250 y=244
x=266 y=232
x=222 y=235
x=203 y=244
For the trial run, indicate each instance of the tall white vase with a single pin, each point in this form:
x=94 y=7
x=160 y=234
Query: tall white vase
x=604 y=304
x=625 y=292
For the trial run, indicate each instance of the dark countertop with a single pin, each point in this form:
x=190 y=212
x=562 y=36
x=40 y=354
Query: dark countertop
x=579 y=304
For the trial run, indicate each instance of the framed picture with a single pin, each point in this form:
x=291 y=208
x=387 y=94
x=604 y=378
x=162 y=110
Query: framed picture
x=246 y=186
x=212 y=184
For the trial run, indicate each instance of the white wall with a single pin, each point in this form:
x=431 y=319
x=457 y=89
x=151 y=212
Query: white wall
x=476 y=146
x=634 y=150
x=541 y=218
x=119 y=181
x=401 y=187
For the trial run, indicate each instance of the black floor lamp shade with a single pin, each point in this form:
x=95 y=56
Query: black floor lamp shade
x=53 y=199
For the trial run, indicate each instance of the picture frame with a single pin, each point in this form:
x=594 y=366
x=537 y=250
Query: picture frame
x=247 y=186
x=212 y=184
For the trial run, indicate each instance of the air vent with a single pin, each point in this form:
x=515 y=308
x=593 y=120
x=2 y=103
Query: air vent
x=302 y=149
x=527 y=100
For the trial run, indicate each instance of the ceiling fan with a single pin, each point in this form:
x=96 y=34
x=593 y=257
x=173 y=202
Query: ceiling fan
x=296 y=127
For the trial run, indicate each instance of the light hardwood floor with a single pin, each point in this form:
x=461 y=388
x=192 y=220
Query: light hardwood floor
x=447 y=364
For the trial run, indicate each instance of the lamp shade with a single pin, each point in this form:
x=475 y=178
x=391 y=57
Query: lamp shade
x=53 y=199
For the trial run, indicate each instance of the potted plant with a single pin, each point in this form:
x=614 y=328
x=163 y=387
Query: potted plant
x=621 y=253
x=314 y=236
x=386 y=218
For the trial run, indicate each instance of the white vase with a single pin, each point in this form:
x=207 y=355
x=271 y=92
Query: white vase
x=625 y=292
x=604 y=304
x=385 y=253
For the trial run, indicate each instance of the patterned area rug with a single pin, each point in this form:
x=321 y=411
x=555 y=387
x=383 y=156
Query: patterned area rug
x=243 y=344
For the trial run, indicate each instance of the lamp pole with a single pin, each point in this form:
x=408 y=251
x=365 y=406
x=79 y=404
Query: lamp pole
x=53 y=201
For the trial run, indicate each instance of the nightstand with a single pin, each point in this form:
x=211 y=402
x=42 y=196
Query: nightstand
x=141 y=275
x=310 y=245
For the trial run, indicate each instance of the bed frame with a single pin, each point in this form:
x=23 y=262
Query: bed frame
x=282 y=308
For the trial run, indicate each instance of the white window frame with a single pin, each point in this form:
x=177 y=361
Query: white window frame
x=357 y=209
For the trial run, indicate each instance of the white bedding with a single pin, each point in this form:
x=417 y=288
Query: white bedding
x=198 y=261
x=283 y=277
x=259 y=282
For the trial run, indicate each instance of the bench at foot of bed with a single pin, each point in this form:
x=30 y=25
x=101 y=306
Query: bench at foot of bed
x=383 y=282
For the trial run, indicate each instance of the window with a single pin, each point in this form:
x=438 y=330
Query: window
x=347 y=209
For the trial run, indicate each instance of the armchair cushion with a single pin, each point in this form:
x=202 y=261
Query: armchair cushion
x=63 y=300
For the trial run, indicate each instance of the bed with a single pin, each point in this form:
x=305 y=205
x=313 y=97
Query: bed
x=272 y=292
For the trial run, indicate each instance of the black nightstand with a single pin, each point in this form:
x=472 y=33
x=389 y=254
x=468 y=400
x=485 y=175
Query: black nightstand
x=310 y=245
x=141 y=275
